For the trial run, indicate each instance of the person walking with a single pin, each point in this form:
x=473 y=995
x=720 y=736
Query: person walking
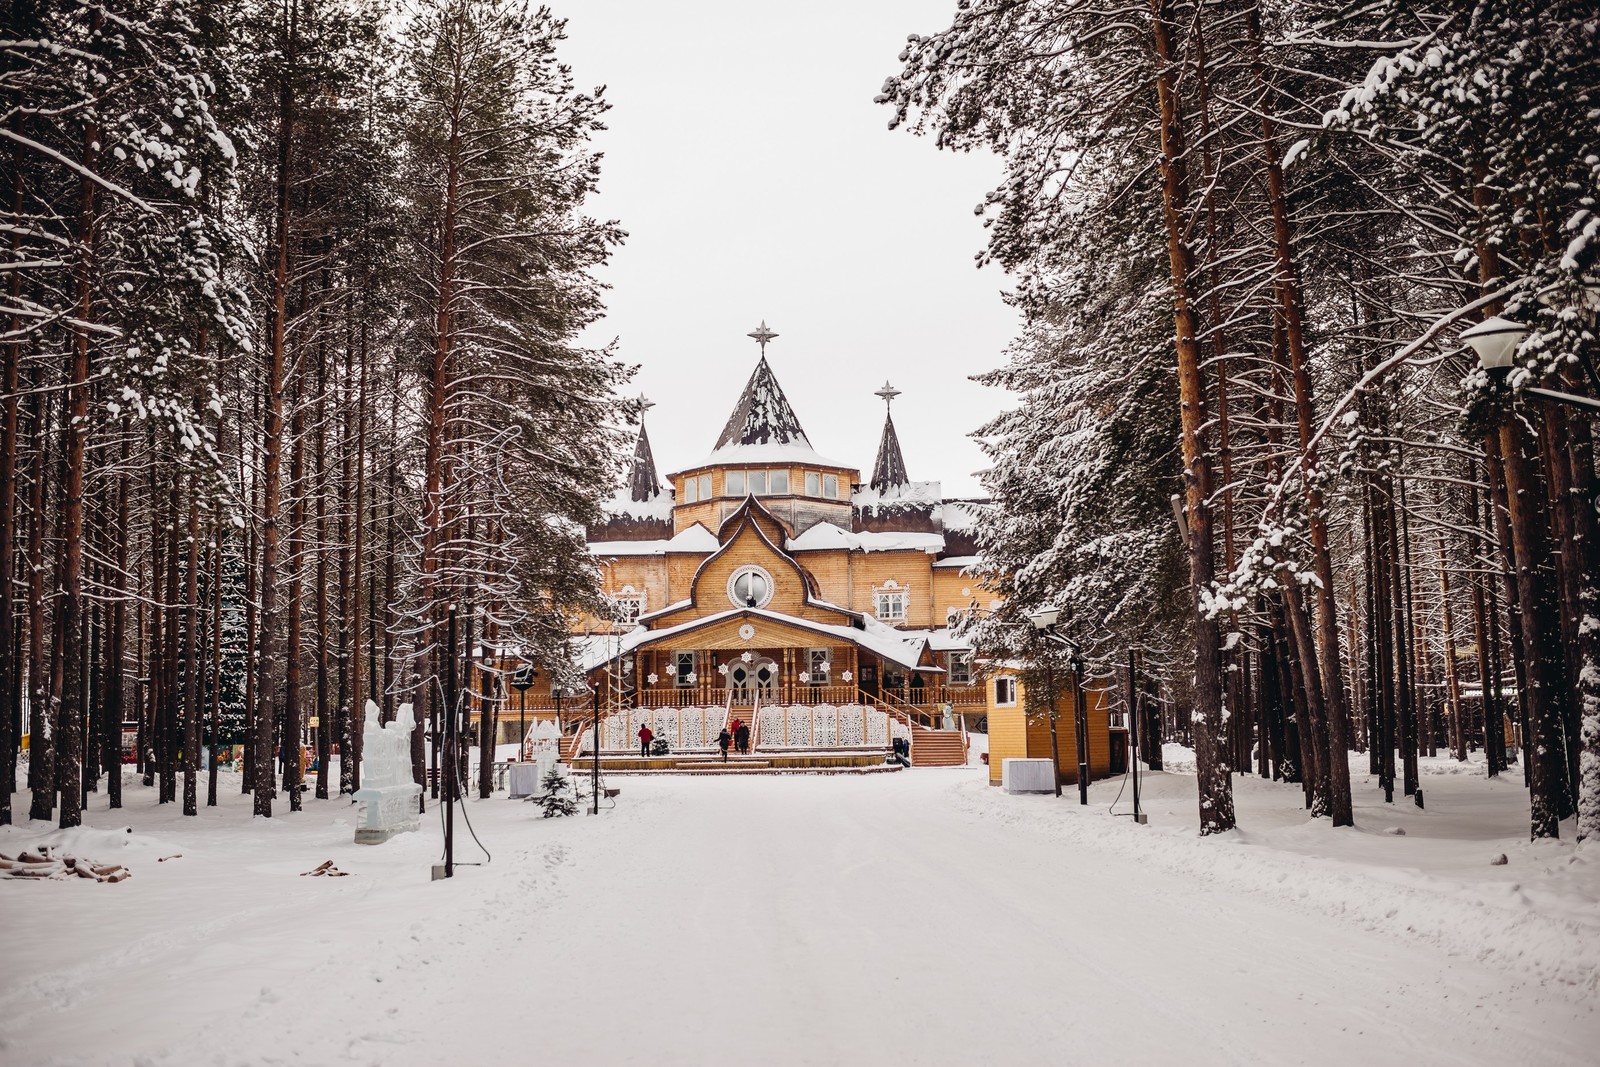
x=723 y=739
x=741 y=738
x=646 y=735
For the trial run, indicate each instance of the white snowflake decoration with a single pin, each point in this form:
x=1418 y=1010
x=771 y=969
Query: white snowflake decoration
x=692 y=677
x=846 y=677
x=747 y=656
x=747 y=632
x=672 y=668
x=722 y=668
x=653 y=678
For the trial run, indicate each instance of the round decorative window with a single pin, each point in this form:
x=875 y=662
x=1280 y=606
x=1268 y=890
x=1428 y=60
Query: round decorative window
x=750 y=587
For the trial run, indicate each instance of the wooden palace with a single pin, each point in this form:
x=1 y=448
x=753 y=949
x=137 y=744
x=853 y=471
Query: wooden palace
x=771 y=585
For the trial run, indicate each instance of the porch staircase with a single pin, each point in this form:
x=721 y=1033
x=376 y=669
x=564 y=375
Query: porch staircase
x=937 y=748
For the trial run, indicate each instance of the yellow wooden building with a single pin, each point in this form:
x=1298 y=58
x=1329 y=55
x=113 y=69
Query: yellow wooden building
x=1019 y=725
x=767 y=583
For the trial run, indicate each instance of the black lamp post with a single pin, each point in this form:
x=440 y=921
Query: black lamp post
x=1044 y=622
x=522 y=680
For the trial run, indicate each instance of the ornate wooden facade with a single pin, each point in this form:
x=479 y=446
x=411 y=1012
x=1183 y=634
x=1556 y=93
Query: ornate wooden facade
x=766 y=573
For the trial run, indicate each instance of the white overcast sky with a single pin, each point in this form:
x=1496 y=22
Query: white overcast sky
x=758 y=180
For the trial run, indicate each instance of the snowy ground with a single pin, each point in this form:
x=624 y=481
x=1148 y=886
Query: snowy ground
x=915 y=917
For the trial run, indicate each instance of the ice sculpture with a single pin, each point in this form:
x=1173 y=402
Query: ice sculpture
x=388 y=794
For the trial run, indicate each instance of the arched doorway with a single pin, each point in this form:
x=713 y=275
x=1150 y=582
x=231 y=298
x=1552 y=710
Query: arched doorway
x=745 y=680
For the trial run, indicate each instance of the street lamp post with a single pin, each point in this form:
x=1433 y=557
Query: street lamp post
x=1045 y=627
x=522 y=680
x=1050 y=695
x=1080 y=715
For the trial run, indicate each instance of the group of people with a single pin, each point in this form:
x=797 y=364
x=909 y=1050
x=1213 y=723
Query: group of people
x=736 y=735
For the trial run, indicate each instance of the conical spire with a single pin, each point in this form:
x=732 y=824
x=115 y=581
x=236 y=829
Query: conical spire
x=890 y=469
x=763 y=415
x=643 y=482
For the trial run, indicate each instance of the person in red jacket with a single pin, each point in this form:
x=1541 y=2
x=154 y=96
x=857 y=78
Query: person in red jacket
x=646 y=735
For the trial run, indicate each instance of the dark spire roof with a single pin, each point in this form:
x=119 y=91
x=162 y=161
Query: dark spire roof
x=643 y=482
x=890 y=469
x=763 y=415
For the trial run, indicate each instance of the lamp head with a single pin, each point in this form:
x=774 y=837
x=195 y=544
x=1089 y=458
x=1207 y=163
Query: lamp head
x=1044 y=618
x=1495 y=340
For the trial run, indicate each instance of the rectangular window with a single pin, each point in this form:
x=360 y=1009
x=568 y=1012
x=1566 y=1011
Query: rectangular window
x=780 y=482
x=813 y=483
x=891 y=606
x=758 y=482
x=830 y=486
x=735 y=484
x=1005 y=692
x=683 y=662
x=705 y=487
x=627 y=609
x=818 y=665
x=690 y=487
x=960 y=668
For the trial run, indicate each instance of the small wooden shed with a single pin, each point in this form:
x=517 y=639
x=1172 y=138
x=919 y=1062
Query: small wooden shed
x=1019 y=725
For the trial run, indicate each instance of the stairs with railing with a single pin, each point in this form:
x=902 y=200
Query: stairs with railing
x=930 y=746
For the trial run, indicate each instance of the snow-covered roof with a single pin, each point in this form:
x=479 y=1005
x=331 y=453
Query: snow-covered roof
x=960 y=515
x=825 y=535
x=696 y=539
x=780 y=452
x=901 y=649
x=906 y=494
x=625 y=504
x=763 y=428
x=941 y=640
x=957 y=562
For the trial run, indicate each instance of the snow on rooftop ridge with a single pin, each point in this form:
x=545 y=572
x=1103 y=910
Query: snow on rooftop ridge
x=961 y=515
x=904 y=495
x=825 y=535
x=796 y=452
x=695 y=539
x=626 y=505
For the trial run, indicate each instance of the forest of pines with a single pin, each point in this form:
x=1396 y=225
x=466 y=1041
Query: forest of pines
x=1252 y=451
x=292 y=293
x=291 y=372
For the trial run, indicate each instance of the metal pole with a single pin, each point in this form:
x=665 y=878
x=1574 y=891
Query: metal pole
x=1050 y=692
x=1081 y=714
x=594 y=780
x=449 y=784
x=1133 y=737
x=522 y=724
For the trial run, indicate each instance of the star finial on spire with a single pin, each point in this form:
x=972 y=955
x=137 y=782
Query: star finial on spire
x=762 y=336
x=888 y=392
x=645 y=404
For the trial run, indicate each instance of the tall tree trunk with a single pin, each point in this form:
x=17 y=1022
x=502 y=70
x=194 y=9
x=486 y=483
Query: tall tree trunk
x=1216 y=790
x=324 y=714
x=192 y=711
x=1538 y=614
x=293 y=783
x=272 y=436
x=1291 y=302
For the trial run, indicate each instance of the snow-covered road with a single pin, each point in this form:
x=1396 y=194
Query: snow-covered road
x=909 y=918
